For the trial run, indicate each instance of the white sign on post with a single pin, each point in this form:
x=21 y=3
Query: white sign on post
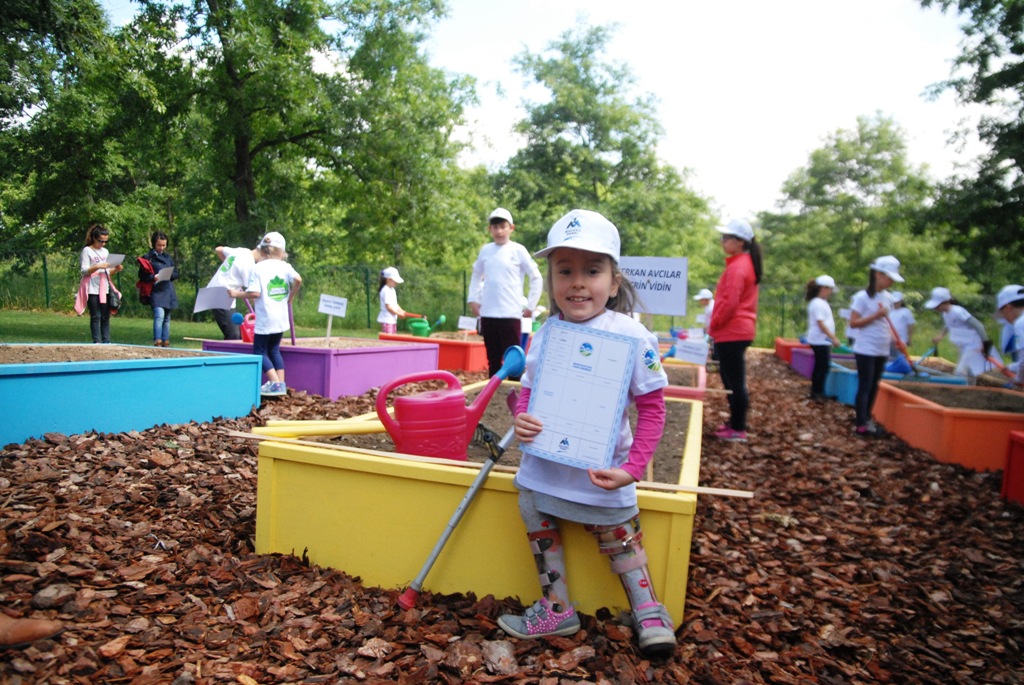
x=693 y=351
x=467 y=323
x=332 y=306
x=660 y=283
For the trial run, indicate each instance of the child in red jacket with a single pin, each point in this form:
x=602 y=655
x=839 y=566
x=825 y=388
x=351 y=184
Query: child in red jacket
x=734 y=320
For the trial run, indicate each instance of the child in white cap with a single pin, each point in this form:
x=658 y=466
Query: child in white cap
x=734 y=321
x=1010 y=307
x=902 y=320
x=388 y=296
x=585 y=287
x=821 y=331
x=496 y=289
x=965 y=331
x=868 y=311
x=706 y=299
x=273 y=284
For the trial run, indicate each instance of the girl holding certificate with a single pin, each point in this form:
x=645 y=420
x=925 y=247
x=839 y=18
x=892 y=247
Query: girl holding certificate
x=585 y=287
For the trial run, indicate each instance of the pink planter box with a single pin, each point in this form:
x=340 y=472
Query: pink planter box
x=334 y=372
x=694 y=392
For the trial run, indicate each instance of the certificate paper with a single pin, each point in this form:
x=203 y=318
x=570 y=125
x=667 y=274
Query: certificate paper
x=579 y=393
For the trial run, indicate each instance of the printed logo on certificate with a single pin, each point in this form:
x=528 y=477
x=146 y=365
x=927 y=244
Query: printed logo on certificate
x=579 y=392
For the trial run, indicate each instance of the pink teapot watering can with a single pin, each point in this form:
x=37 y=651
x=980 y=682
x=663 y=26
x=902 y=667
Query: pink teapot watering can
x=437 y=423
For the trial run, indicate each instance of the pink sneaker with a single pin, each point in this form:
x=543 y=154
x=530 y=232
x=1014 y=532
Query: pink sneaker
x=730 y=435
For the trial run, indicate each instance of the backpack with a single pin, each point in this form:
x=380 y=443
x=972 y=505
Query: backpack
x=144 y=288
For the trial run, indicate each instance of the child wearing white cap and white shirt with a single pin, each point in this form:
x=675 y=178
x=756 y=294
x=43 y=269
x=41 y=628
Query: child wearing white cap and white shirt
x=496 y=289
x=706 y=299
x=965 y=331
x=388 y=296
x=902 y=320
x=821 y=331
x=586 y=287
x=868 y=311
x=273 y=284
x=1010 y=306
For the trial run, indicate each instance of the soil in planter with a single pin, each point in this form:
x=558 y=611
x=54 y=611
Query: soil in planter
x=56 y=354
x=685 y=376
x=985 y=399
x=665 y=468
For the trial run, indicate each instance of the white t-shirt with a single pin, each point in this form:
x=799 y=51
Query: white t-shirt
x=818 y=309
x=234 y=272
x=1018 y=344
x=875 y=338
x=571 y=483
x=273 y=279
x=497 y=281
x=902 y=319
x=387 y=296
x=88 y=258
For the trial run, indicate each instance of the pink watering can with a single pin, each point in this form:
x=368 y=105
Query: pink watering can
x=438 y=423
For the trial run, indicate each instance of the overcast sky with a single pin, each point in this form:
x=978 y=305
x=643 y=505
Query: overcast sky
x=746 y=88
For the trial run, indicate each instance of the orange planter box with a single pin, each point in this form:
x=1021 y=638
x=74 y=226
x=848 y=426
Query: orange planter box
x=784 y=348
x=1013 y=471
x=973 y=438
x=452 y=355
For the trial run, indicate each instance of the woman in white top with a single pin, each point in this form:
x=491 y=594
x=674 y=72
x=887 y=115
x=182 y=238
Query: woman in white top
x=96 y=285
x=868 y=312
x=821 y=331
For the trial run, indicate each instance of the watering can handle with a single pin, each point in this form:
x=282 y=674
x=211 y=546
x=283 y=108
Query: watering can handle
x=382 y=394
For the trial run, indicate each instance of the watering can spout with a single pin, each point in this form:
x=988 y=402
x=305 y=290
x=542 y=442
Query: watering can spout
x=512 y=364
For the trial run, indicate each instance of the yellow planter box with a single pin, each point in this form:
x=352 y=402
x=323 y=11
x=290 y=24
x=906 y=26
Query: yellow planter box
x=378 y=516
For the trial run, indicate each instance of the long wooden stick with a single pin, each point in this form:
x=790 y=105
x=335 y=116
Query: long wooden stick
x=645 y=484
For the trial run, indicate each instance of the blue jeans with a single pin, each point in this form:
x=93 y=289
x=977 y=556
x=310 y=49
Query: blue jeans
x=161 y=324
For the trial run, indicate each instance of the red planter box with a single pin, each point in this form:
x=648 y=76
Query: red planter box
x=1013 y=472
x=784 y=348
x=452 y=355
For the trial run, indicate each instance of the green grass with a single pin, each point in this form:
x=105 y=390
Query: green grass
x=20 y=326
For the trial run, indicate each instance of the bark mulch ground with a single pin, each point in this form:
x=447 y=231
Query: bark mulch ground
x=857 y=562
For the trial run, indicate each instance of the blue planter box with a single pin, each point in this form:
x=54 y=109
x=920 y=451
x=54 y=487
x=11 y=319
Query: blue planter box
x=842 y=381
x=108 y=396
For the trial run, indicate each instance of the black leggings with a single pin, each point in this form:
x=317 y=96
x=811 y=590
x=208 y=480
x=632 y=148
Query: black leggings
x=822 y=359
x=499 y=335
x=732 y=366
x=869 y=374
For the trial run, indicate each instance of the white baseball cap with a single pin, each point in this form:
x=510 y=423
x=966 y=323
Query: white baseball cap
x=739 y=228
x=938 y=296
x=896 y=296
x=272 y=239
x=502 y=214
x=825 y=281
x=1008 y=294
x=392 y=273
x=704 y=294
x=583 y=229
x=888 y=265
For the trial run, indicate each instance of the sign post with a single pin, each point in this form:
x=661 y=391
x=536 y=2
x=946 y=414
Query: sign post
x=331 y=306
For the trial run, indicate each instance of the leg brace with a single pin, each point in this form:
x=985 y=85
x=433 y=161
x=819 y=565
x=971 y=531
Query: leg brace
x=628 y=559
x=546 y=545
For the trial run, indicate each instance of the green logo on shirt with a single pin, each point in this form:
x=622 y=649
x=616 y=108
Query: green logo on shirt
x=277 y=289
x=226 y=265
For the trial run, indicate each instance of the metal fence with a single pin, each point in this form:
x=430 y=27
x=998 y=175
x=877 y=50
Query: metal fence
x=43 y=281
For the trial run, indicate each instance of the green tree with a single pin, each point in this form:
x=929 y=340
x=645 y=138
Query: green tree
x=857 y=198
x=985 y=208
x=593 y=147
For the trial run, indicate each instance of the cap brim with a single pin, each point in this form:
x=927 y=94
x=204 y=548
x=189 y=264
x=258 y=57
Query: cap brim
x=576 y=245
x=894 y=276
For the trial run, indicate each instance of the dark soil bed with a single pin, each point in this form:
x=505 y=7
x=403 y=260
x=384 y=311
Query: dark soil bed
x=959 y=397
x=856 y=562
x=56 y=354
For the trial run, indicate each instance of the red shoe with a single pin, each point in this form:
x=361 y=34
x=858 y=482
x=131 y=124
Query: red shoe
x=729 y=435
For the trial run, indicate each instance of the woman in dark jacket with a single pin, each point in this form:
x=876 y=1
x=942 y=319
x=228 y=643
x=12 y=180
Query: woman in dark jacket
x=163 y=299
